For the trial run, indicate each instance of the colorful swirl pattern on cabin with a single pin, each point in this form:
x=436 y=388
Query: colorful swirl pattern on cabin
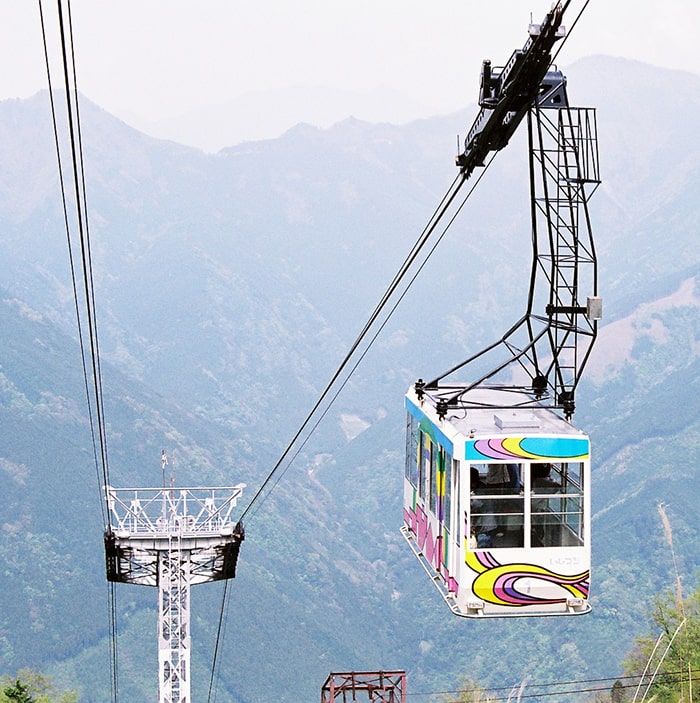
x=432 y=540
x=498 y=583
x=532 y=448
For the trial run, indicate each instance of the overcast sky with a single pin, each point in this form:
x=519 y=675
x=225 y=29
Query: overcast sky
x=151 y=60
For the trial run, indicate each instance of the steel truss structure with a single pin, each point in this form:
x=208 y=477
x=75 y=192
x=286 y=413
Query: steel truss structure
x=378 y=686
x=544 y=352
x=172 y=538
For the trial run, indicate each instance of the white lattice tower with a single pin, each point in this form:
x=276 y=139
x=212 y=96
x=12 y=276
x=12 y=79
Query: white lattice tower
x=174 y=622
x=172 y=538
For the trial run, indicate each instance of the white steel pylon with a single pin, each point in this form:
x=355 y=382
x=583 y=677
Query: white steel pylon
x=172 y=538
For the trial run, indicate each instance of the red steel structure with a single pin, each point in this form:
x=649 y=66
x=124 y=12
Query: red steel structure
x=378 y=686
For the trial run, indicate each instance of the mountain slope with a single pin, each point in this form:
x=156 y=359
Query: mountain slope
x=229 y=287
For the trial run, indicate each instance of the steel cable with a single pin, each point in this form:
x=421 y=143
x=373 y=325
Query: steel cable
x=95 y=405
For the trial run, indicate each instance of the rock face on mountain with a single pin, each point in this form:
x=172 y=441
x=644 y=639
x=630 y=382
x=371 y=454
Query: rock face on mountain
x=228 y=289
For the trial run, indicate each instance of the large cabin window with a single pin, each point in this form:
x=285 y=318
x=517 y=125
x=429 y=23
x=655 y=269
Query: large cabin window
x=496 y=506
x=526 y=505
x=556 y=504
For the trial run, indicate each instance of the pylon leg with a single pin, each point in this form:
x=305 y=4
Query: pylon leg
x=174 y=626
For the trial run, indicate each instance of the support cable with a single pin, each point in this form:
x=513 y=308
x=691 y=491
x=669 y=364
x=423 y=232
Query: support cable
x=95 y=404
x=558 y=688
x=432 y=225
x=401 y=273
x=83 y=231
x=385 y=300
x=74 y=278
x=390 y=291
x=288 y=454
x=220 y=632
x=89 y=278
x=571 y=27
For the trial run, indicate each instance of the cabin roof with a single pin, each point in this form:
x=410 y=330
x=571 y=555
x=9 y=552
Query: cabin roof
x=494 y=413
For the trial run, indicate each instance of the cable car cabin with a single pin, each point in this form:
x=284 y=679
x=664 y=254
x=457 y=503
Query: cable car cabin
x=497 y=505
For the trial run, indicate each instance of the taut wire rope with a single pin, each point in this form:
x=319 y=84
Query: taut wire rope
x=91 y=376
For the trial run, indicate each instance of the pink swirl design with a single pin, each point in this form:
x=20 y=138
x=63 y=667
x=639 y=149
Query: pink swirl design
x=499 y=583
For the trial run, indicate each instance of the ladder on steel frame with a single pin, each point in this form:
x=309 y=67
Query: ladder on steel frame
x=552 y=341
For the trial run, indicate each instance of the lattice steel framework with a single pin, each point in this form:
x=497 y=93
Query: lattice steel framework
x=378 y=686
x=565 y=151
x=544 y=352
x=172 y=538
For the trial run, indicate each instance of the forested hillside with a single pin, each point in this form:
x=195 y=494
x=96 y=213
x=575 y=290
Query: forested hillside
x=229 y=287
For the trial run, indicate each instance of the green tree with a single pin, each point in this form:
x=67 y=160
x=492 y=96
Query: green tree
x=18 y=691
x=30 y=686
x=617 y=692
x=667 y=657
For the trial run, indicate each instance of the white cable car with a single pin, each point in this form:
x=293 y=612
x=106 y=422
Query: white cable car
x=496 y=491
x=497 y=504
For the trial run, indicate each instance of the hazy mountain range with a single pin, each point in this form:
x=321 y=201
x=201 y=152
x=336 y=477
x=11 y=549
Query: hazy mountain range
x=229 y=286
x=256 y=115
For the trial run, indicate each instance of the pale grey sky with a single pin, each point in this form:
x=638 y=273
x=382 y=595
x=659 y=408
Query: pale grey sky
x=150 y=60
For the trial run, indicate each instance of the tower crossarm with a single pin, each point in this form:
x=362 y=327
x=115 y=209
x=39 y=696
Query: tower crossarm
x=145 y=521
x=172 y=538
x=153 y=512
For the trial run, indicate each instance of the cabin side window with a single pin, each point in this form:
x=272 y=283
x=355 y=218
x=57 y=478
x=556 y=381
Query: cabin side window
x=446 y=508
x=412 y=449
x=556 y=504
x=426 y=453
x=496 y=506
x=441 y=486
x=429 y=469
x=437 y=467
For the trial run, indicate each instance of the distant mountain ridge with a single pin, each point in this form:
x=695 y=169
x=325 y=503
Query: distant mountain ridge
x=256 y=116
x=229 y=286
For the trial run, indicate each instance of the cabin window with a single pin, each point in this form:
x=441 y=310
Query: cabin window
x=446 y=510
x=429 y=469
x=496 y=506
x=412 y=449
x=437 y=464
x=556 y=504
x=441 y=487
x=426 y=453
